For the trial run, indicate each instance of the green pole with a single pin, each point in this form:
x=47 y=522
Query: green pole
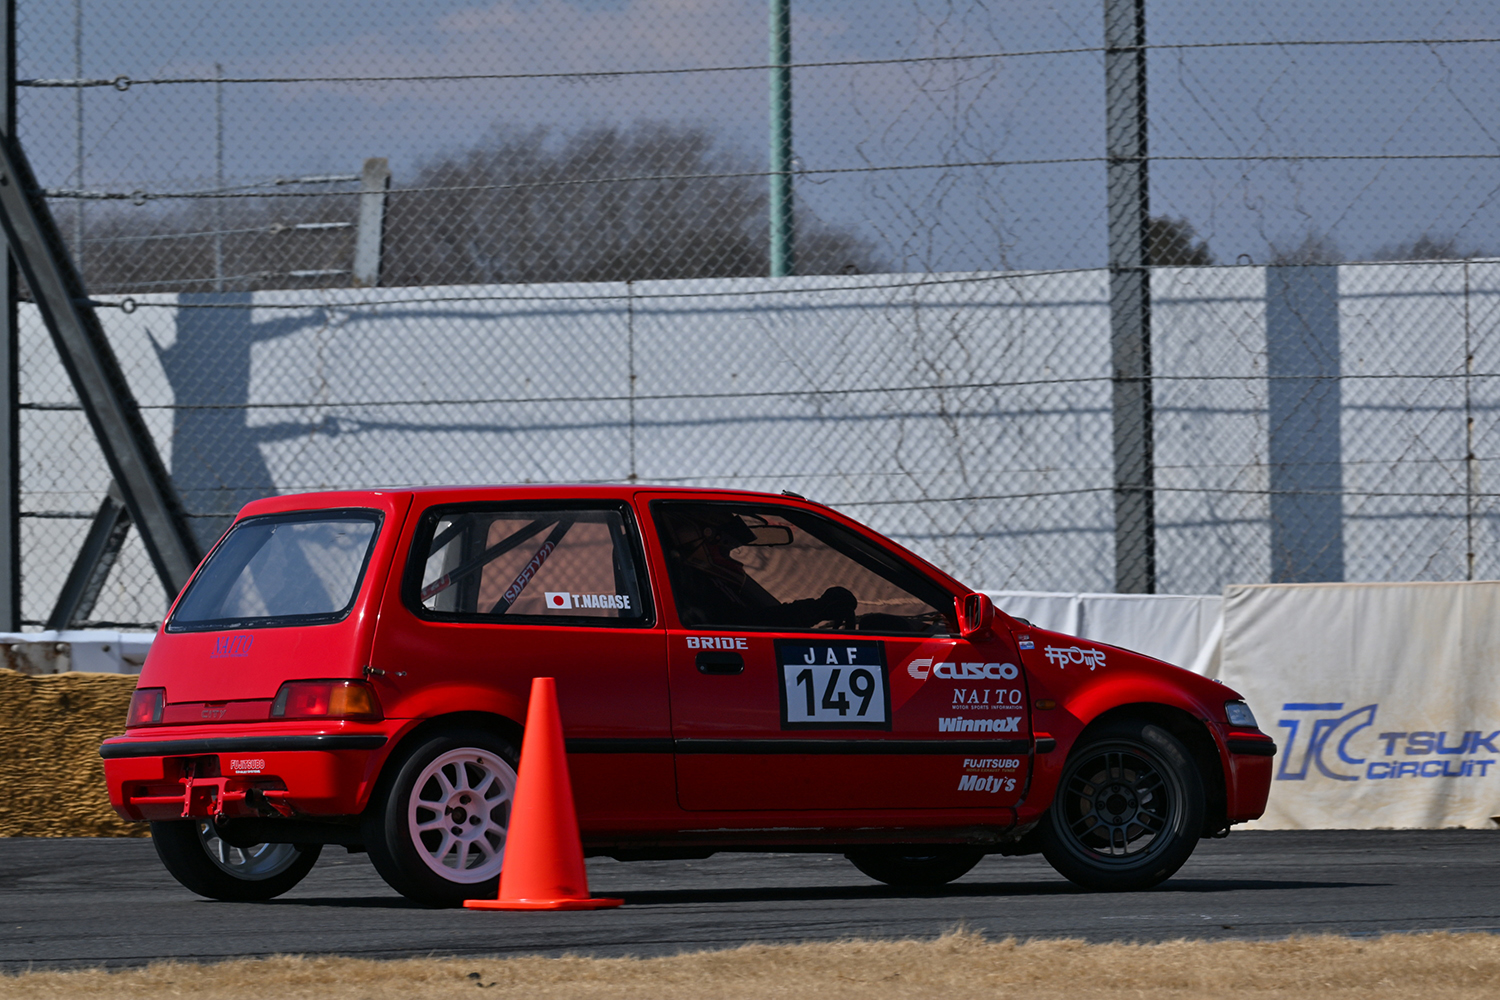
x=783 y=237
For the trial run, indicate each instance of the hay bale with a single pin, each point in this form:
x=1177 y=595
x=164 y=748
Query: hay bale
x=50 y=729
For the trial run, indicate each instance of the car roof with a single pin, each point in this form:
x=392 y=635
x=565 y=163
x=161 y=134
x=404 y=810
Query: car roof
x=384 y=497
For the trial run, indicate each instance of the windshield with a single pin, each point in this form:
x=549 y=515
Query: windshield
x=281 y=569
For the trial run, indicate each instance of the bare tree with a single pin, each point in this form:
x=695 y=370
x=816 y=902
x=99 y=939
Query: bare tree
x=1314 y=248
x=1428 y=247
x=606 y=204
x=1169 y=243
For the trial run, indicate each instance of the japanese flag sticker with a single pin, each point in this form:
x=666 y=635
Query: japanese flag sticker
x=559 y=599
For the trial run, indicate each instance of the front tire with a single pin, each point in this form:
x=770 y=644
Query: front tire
x=195 y=855
x=436 y=830
x=1128 y=810
x=915 y=865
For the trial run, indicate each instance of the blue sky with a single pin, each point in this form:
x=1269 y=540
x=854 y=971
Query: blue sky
x=1269 y=100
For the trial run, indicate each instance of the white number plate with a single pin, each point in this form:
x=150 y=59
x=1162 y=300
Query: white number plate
x=833 y=684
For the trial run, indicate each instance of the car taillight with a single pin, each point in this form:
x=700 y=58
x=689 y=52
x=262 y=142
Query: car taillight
x=325 y=700
x=145 y=707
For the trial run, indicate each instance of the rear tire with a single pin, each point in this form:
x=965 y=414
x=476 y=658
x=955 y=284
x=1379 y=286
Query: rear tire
x=196 y=856
x=915 y=865
x=1128 y=810
x=436 y=828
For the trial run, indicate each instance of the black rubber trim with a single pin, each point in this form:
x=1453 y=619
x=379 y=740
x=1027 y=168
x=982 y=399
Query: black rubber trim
x=1253 y=748
x=241 y=744
x=1046 y=744
x=627 y=745
x=779 y=746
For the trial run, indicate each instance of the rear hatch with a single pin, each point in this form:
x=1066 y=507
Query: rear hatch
x=289 y=593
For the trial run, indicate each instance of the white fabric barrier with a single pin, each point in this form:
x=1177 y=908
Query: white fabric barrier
x=1183 y=630
x=1384 y=700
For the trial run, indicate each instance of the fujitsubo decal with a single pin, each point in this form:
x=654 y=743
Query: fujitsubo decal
x=986 y=783
x=1322 y=738
x=991 y=763
x=833 y=684
x=564 y=601
x=251 y=765
x=1064 y=656
x=1008 y=725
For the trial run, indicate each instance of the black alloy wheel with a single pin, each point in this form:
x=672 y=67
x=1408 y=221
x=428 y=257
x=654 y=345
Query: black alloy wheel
x=1128 y=811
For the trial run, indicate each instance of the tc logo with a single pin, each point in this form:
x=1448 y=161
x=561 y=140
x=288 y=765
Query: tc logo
x=1325 y=729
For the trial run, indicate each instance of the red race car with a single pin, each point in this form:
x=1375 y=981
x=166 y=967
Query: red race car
x=736 y=672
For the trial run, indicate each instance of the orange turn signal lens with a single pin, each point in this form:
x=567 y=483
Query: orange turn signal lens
x=146 y=707
x=325 y=700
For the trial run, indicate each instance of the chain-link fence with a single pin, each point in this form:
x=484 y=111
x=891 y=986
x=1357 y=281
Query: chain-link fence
x=341 y=245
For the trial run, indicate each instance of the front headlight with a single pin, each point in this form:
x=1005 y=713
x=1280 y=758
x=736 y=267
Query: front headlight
x=1239 y=714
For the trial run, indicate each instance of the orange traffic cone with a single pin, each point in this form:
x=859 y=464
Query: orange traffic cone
x=543 y=856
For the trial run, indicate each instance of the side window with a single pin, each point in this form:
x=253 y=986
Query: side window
x=750 y=566
x=533 y=564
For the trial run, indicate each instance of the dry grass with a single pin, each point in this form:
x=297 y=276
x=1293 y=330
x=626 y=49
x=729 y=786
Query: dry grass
x=956 y=966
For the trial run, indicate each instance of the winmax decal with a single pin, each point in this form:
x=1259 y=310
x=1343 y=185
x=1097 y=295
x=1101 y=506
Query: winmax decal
x=1010 y=725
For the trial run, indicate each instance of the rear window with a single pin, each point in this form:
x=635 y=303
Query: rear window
x=560 y=564
x=281 y=569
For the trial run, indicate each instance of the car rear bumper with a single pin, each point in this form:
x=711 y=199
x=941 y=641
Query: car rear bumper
x=242 y=775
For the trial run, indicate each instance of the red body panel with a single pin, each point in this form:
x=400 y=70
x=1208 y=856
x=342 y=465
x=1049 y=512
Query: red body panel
x=638 y=713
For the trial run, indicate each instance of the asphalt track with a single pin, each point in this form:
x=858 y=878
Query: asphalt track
x=109 y=902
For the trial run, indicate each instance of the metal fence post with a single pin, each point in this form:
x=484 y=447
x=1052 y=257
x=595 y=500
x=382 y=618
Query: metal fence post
x=1129 y=294
x=10 y=392
x=783 y=231
x=94 y=370
x=375 y=181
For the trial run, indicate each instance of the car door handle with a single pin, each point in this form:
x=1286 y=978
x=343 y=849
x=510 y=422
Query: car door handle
x=720 y=662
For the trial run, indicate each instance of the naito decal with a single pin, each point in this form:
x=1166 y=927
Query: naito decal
x=1064 y=655
x=1322 y=736
x=994 y=698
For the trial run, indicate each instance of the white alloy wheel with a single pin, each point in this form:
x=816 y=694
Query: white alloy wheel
x=459 y=812
x=262 y=861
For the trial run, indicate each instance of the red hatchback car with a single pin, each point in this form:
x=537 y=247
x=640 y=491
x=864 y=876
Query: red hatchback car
x=735 y=671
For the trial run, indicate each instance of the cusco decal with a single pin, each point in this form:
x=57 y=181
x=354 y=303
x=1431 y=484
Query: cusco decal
x=833 y=684
x=921 y=668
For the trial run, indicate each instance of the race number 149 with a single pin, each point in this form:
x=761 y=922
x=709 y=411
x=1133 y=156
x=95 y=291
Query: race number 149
x=833 y=684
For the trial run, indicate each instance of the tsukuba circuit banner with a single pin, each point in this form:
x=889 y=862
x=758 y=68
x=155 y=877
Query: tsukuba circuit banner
x=1384 y=700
